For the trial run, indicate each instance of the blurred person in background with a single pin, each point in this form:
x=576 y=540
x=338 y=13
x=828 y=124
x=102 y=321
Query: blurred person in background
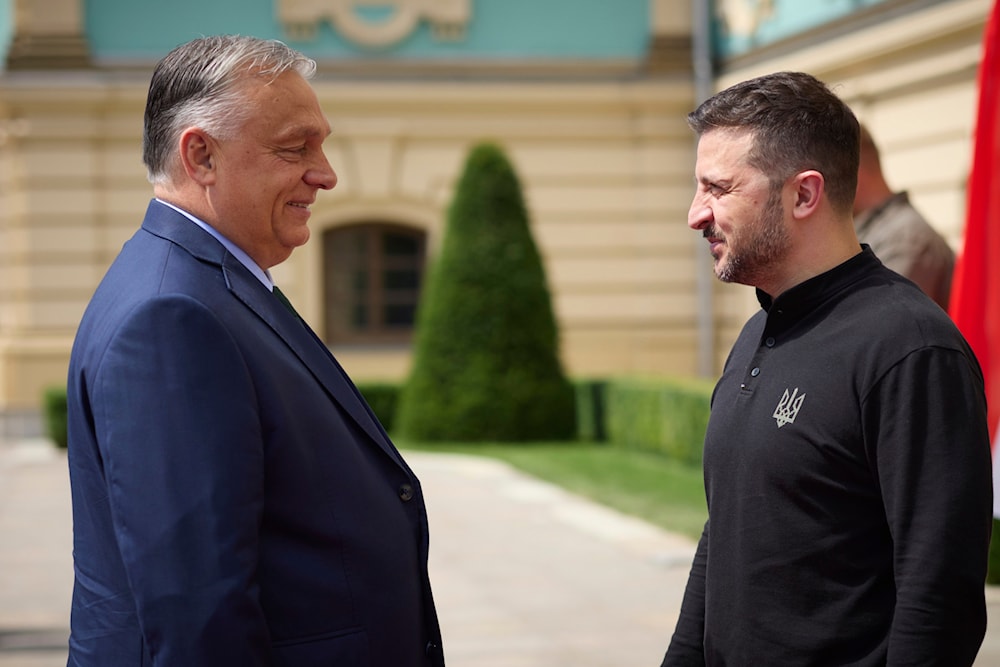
x=897 y=232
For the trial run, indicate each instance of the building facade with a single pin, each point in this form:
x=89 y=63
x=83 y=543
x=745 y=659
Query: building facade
x=588 y=97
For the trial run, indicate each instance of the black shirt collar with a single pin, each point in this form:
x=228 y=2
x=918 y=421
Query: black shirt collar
x=805 y=296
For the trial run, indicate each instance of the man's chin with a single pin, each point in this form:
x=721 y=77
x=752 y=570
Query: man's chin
x=297 y=238
x=722 y=267
x=727 y=272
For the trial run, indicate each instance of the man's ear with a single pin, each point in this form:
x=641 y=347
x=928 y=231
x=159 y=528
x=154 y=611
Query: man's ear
x=809 y=186
x=197 y=151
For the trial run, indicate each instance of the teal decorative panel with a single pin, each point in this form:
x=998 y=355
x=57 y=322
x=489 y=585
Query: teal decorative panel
x=140 y=30
x=6 y=29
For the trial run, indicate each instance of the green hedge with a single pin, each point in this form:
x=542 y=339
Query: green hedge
x=591 y=410
x=993 y=570
x=665 y=415
x=382 y=397
x=54 y=412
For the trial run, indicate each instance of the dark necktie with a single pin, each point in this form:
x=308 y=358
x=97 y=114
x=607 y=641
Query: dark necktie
x=284 y=300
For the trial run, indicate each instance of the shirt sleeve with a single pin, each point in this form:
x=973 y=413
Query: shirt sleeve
x=180 y=437
x=925 y=429
x=687 y=646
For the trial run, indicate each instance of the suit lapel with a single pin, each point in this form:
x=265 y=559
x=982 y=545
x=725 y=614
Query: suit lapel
x=303 y=342
x=296 y=334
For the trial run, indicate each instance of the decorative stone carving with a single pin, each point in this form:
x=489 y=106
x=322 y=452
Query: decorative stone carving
x=448 y=19
x=742 y=18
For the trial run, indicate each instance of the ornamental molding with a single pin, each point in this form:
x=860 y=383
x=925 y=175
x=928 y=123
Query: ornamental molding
x=448 y=19
x=743 y=18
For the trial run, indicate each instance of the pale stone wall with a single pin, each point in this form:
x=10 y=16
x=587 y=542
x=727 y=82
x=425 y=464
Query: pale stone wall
x=607 y=175
x=607 y=170
x=71 y=184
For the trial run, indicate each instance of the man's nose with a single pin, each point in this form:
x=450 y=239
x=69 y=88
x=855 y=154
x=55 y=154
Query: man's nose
x=322 y=175
x=699 y=214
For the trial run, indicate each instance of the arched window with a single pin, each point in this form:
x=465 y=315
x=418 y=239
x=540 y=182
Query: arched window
x=372 y=274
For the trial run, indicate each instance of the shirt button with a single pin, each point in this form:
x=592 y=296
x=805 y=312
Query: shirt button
x=769 y=342
x=405 y=492
x=755 y=372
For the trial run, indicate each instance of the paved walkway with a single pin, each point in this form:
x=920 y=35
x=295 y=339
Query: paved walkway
x=525 y=574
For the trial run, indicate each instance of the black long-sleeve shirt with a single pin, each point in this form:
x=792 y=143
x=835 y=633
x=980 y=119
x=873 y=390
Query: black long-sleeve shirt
x=847 y=471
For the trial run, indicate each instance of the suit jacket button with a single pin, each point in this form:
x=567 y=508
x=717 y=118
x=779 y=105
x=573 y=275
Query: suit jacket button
x=433 y=651
x=405 y=492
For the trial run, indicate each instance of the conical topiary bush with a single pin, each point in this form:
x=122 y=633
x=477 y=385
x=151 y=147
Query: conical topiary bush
x=486 y=358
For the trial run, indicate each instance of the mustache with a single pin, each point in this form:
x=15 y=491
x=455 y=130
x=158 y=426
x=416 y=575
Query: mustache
x=711 y=232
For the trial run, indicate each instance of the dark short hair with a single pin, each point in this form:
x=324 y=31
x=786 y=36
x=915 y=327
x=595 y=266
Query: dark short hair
x=797 y=123
x=198 y=85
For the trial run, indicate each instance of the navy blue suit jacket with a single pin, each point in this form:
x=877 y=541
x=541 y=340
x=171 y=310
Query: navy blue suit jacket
x=235 y=501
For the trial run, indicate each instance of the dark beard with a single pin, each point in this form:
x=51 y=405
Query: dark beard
x=765 y=242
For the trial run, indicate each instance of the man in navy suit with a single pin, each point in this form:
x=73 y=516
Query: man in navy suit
x=235 y=501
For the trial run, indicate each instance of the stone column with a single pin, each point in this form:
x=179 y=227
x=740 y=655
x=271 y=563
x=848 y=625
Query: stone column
x=48 y=35
x=669 y=51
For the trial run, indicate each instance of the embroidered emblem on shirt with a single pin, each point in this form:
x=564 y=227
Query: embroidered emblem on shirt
x=788 y=407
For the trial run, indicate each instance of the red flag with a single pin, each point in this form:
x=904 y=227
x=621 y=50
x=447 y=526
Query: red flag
x=975 y=293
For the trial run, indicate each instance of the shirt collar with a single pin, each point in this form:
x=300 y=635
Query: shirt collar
x=262 y=275
x=805 y=296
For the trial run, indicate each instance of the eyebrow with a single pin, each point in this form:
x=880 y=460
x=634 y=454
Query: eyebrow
x=296 y=131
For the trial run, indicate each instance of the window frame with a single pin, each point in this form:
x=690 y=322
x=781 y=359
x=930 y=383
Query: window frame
x=339 y=301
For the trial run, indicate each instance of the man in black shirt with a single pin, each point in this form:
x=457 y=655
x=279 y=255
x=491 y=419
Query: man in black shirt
x=847 y=461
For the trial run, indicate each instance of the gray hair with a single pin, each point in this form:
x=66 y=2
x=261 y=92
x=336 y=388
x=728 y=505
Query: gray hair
x=198 y=85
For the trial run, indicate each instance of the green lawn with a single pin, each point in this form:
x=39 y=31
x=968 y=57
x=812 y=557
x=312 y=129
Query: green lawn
x=642 y=484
